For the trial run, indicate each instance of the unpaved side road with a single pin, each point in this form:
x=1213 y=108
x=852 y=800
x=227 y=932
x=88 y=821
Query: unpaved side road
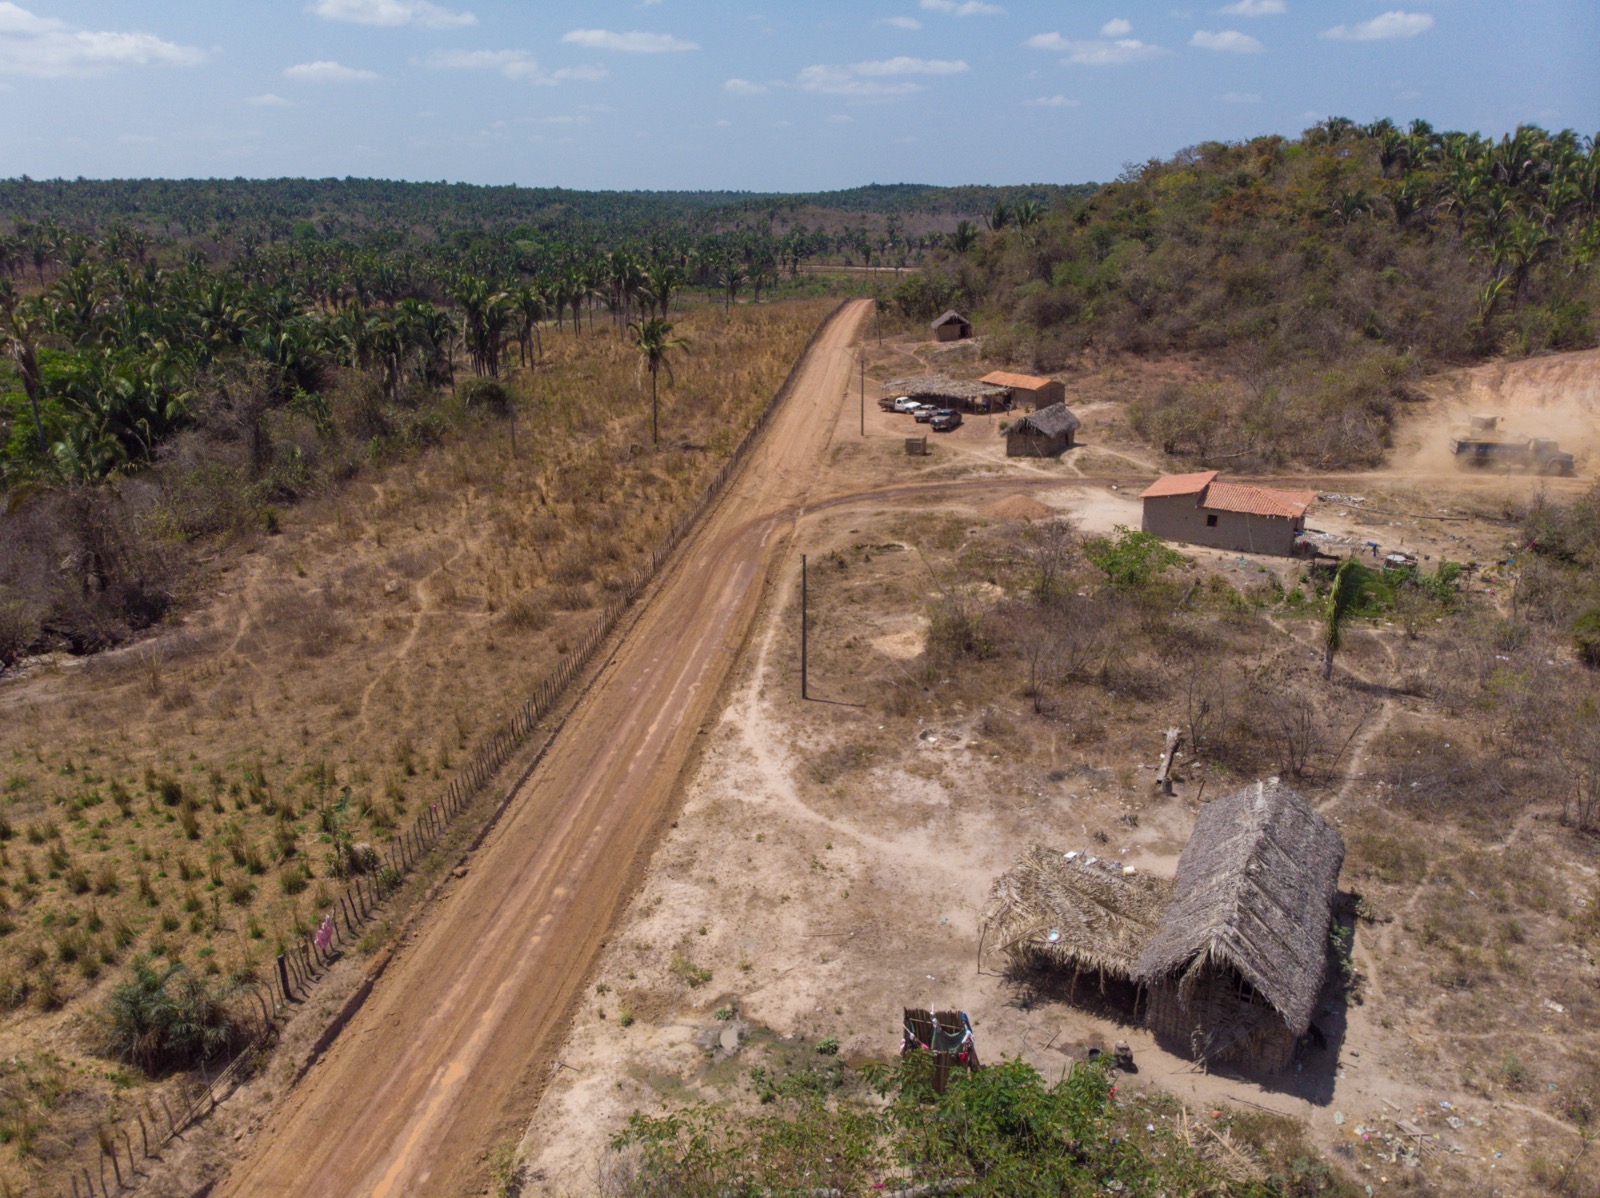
x=451 y=1050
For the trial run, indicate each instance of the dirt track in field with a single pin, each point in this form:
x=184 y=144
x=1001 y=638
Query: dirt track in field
x=451 y=1049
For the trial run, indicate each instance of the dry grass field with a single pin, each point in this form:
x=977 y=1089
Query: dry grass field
x=192 y=796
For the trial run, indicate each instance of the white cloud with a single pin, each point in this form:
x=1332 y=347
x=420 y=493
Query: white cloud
x=963 y=8
x=1239 y=98
x=328 y=72
x=513 y=64
x=1117 y=27
x=1051 y=102
x=743 y=87
x=47 y=48
x=268 y=101
x=724 y=123
x=1255 y=8
x=1229 y=41
x=872 y=78
x=628 y=43
x=392 y=12
x=902 y=22
x=839 y=118
x=1382 y=28
x=1092 y=53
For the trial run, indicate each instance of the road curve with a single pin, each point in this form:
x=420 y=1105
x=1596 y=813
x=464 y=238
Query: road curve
x=447 y=1055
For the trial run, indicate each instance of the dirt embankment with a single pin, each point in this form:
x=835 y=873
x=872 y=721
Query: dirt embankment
x=1556 y=396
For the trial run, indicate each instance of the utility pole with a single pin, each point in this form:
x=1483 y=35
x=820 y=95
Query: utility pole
x=863 y=395
x=803 y=646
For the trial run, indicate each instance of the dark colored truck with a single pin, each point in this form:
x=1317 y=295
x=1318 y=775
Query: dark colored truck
x=1480 y=446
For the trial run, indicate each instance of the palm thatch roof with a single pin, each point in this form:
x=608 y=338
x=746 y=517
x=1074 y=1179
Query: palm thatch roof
x=1254 y=891
x=950 y=317
x=1072 y=910
x=941 y=386
x=1049 y=422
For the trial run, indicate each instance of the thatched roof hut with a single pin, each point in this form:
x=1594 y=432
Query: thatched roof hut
x=1074 y=911
x=952 y=326
x=1043 y=434
x=1242 y=951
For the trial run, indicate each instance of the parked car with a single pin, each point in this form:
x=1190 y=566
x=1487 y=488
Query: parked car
x=904 y=403
x=889 y=403
x=944 y=420
x=924 y=413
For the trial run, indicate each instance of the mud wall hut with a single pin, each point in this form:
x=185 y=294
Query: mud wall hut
x=952 y=326
x=1042 y=434
x=1235 y=970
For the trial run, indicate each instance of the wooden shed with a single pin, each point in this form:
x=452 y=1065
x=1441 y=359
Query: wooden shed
x=1236 y=968
x=1196 y=509
x=1042 y=434
x=1028 y=390
x=952 y=326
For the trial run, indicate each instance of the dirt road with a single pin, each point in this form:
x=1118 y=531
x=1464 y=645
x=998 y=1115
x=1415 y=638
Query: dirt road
x=449 y=1052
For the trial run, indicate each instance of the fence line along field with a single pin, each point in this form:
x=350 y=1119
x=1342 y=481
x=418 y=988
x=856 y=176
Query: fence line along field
x=198 y=797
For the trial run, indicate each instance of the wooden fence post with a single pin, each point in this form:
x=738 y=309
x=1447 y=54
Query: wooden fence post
x=283 y=981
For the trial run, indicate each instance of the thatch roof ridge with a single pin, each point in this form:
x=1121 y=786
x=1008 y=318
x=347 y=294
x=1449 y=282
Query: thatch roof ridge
x=1051 y=421
x=1101 y=917
x=950 y=317
x=943 y=385
x=1254 y=889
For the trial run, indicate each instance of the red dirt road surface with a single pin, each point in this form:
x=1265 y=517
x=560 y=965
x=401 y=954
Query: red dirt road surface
x=455 y=1041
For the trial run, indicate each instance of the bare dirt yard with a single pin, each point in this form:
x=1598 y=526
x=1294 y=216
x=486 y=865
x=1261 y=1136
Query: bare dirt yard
x=832 y=857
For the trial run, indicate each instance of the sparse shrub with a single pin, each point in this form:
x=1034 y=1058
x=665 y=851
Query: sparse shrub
x=294 y=879
x=1586 y=637
x=682 y=967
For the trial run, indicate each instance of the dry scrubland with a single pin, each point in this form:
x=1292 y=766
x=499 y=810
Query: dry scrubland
x=188 y=796
x=989 y=687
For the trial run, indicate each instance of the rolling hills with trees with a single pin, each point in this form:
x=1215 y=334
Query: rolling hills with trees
x=1324 y=272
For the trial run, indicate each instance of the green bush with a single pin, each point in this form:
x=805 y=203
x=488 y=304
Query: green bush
x=1131 y=559
x=1586 y=637
x=489 y=394
x=168 y=1018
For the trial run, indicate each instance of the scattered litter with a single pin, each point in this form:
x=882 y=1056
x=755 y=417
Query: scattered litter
x=1338 y=1118
x=1052 y=935
x=1454 y=1122
x=1555 y=1006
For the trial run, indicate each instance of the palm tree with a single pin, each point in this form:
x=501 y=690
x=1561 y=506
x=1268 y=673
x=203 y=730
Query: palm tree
x=964 y=237
x=1350 y=585
x=654 y=339
x=20 y=328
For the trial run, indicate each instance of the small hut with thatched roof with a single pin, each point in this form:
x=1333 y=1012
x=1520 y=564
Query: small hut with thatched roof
x=952 y=326
x=1074 y=912
x=1242 y=951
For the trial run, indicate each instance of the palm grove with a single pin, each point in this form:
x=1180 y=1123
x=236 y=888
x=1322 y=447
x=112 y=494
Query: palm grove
x=181 y=358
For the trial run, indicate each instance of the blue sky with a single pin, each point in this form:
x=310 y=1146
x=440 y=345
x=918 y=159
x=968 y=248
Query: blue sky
x=715 y=94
